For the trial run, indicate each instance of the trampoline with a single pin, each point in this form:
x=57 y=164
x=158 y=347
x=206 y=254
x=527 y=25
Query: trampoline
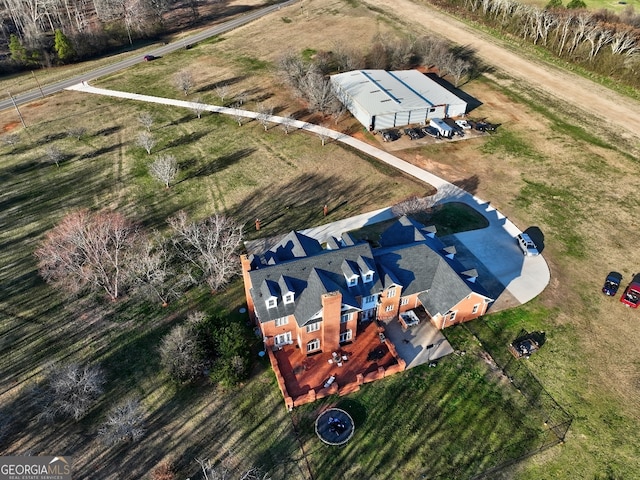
x=334 y=427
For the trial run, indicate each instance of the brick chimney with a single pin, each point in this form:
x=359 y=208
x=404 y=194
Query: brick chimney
x=246 y=268
x=331 y=303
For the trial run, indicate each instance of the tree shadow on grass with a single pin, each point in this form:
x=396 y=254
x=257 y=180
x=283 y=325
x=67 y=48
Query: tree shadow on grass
x=469 y=184
x=185 y=139
x=220 y=83
x=218 y=164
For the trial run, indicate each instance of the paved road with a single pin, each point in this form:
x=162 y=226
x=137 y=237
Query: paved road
x=494 y=247
x=158 y=52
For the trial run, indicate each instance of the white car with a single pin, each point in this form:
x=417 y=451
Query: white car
x=463 y=124
x=526 y=244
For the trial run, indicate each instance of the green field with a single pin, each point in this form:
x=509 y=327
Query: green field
x=452 y=421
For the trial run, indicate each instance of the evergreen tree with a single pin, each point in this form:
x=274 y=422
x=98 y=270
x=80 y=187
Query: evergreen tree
x=553 y=4
x=575 y=4
x=63 y=47
x=17 y=50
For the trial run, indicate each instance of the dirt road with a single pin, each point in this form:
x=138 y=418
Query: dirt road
x=619 y=112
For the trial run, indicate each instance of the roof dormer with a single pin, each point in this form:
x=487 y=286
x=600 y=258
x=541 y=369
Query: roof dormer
x=351 y=272
x=366 y=269
x=270 y=292
x=286 y=289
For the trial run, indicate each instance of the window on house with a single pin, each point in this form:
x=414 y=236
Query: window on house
x=272 y=302
x=345 y=318
x=288 y=298
x=353 y=281
x=370 y=299
x=389 y=308
x=314 y=327
x=404 y=301
x=313 y=345
x=282 y=321
x=392 y=292
x=282 y=339
x=345 y=336
x=475 y=308
x=452 y=315
x=368 y=277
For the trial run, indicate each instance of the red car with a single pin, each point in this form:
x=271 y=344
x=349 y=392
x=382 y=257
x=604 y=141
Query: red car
x=631 y=296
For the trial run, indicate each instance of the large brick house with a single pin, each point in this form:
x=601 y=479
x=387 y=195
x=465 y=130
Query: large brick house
x=302 y=294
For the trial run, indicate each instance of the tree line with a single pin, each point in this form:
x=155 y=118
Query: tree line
x=602 y=41
x=38 y=32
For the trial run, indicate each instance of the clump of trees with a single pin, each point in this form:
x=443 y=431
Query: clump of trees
x=601 y=41
x=206 y=343
x=105 y=251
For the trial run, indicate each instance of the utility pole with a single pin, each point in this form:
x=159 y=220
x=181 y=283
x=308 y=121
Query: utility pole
x=39 y=86
x=17 y=109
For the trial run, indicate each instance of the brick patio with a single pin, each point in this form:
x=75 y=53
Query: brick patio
x=302 y=378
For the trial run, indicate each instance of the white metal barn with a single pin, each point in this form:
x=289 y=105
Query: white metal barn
x=380 y=99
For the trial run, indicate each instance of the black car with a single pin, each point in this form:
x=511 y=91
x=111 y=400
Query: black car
x=431 y=131
x=390 y=135
x=612 y=283
x=412 y=133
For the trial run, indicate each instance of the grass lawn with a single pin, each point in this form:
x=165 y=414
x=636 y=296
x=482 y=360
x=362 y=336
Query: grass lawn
x=446 y=422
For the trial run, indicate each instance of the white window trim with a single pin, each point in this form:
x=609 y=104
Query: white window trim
x=313 y=345
x=345 y=317
x=272 y=302
x=353 y=281
x=389 y=308
x=368 y=277
x=391 y=292
x=313 y=327
x=288 y=298
x=281 y=321
x=476 y=307
x=404 y=301
x=346 y=336
x=452 y=315
x=282 y=339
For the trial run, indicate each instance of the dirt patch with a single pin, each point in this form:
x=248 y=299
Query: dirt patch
x=7 y=127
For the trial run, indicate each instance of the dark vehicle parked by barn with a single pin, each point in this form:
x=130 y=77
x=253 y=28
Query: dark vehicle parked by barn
x=612 y=283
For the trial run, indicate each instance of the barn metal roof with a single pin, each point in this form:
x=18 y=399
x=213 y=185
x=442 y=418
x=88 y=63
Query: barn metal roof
x=381 y=92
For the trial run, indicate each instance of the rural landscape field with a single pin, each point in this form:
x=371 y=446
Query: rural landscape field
x=550 y=164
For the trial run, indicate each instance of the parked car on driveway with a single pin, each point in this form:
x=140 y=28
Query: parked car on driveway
x=631 y=295
x=612 y=283
x=148 y=58
x=390 y=135
x=463 y=124
x=431 y=131
x=527 y=246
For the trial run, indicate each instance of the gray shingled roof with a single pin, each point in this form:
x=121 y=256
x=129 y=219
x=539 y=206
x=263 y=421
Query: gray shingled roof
x=294 y=245
x=402 y=232
x=312 y=277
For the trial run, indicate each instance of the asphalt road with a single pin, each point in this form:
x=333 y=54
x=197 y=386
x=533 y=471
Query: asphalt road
x=158 y=52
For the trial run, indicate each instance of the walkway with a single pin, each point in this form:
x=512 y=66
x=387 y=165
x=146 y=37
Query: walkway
x=520 y=278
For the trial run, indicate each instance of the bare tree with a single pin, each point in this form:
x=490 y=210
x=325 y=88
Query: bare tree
x=223 y=471
x=287 y=123
x=184 y=81
x=147 y=141
x=146 y=120
x=180 y=352
x=76 y=132
x=264 y=115
x=411 y=205
x=324 y=134
x=54 y=154
x=124 y=423
x=222 y=91
x=69 y=391
x=197 y=107
x=152 y=271
x=242 y=98
x=238 y=116
x=209 y=245
x=88 y=251
x=164 y=471
x=458 y=69
x=317 y=90
x=164 y=169
x=337 y=109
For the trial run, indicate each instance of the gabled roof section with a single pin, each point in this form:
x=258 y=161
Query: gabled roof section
x=447 y=290
x=413 y=267
x=350 y=268
x=294 y=245
x=402 y=232
x=310 y=277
